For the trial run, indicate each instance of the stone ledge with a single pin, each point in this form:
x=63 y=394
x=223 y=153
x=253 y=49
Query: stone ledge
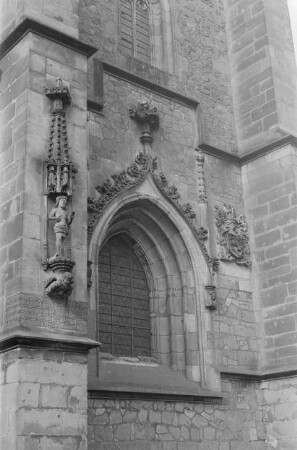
x=145 y=378
x=142 y=82
x=257 y=375
x=36 y=339
x=242 y=160
x=29 y=25
x=94 y=106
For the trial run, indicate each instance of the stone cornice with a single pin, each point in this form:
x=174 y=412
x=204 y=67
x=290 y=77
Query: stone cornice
x=29 y=25
x=257 y=375
x=36 y=339
x=242 y=160
x=106 y=393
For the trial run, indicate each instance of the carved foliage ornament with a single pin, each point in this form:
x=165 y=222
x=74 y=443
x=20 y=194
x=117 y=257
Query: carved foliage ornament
x=133 y=176
x=233 y=235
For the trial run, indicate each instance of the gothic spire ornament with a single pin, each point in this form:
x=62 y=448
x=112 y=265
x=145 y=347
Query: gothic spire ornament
x=59 y=170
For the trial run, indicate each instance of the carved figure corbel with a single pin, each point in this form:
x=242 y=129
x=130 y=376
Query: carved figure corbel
x=59 y=285
x=211 y=302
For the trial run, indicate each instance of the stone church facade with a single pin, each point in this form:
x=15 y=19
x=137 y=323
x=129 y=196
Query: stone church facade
x=148 y=225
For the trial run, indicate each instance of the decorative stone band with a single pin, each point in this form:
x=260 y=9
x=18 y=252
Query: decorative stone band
x=31 y=26
x=58 y=264
x=133 y=176
x=32 y=339
x=252 y=155
x=257 y=375
x=202 y=198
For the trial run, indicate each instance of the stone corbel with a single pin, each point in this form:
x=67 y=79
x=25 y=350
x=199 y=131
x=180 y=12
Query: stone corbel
x=211 y=301
x=60 y=284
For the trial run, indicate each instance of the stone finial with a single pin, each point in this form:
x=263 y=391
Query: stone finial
x=144 y=115
x=60 y=93
x=148 y=119
x=59 y=170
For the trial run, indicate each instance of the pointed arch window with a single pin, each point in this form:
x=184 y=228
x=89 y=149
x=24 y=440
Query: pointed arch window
x=135 y=39
x=124 y=314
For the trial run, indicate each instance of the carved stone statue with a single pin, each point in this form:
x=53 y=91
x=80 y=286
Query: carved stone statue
x=62 y=222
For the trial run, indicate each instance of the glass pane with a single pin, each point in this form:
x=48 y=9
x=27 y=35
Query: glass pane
x=124 y=308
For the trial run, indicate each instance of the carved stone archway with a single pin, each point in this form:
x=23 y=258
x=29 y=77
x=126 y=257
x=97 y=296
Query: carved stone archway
x=177 y=267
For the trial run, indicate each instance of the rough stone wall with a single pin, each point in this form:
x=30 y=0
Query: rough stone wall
x=270 y=189
x=261 y=46
x=44 y=394
x=280 y=412
x=234 y=424
x=114 y=137
x=236 y=336
x=62 y=16
x=197 y=35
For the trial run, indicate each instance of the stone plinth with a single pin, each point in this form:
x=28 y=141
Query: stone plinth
x=43 y=399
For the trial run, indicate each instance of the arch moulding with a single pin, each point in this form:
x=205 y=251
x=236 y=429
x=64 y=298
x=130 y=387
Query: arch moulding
x=140 y=203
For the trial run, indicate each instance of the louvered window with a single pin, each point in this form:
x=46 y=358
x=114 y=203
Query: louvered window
x=124 y=311
x=135 y=29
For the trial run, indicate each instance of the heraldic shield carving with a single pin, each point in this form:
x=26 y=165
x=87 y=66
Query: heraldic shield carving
x=233 y=235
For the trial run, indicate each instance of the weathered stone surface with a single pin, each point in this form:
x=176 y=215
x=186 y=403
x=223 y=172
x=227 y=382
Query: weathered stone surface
x=180 y=425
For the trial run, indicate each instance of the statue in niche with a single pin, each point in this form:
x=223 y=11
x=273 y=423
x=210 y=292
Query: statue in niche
x=62 y=222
